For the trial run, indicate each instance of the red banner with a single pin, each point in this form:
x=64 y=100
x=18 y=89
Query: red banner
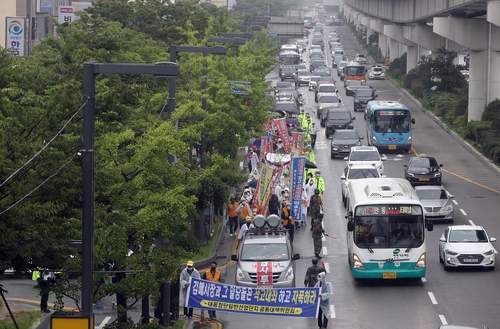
x=264 y=274
x=298 y=140
x=282 y=130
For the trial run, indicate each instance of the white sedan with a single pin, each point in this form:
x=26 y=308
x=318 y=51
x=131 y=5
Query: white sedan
x=466 y=246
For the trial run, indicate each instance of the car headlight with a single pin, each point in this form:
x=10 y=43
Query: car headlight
x=294 y=74
x=410 y=174
x=289 y=274
x=382 y=74
x=408 y=141
x=350 y=126
x=357 y=264
x=420 y=262
x=239 y=275
x=356 y=101
x=447 y=208
x=335 y=148
x=489 y=252
x=438 y=174
x=358 y=143
x=321 y=107
x=451 y=253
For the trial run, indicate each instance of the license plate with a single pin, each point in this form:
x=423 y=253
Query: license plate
x=392 y=147
x=389 y=275
x=264 y=287
x=423 y=179
x=471 y=260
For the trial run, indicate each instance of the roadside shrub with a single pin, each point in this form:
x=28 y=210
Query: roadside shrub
x=491 y=110
x=460 y=123
x=410 y=77
x=417 y=88
x=489 y=143
x=476 y=129
x=444 y=103
x=495 y=154
x=495 y=124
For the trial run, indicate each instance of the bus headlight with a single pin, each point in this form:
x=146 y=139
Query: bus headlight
x=420 y=263
x=408 y=141
x=357 y=263
x=289 y=274
x=374 y=140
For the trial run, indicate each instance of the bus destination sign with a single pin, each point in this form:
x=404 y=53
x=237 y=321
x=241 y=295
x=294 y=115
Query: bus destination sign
x=388 y=210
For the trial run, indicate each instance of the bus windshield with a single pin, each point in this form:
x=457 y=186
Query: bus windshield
x=387 y=121
x=389 y=231
x=355 y=70
x=290 y=59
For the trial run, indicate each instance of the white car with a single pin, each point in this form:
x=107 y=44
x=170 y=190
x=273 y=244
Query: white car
x=466 y=246
x=356 y=171
x=360 y=58
x=366 y=155
x=376 y=72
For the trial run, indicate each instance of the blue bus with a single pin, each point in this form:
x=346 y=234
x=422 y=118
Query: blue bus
x=389 y=125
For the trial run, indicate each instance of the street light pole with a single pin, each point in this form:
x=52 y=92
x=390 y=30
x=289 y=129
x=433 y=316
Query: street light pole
x=90 y=72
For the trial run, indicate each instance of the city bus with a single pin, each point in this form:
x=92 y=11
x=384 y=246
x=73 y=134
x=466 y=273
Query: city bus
x=289 y=57
x=355 y=71
x=388 y=125
x=385 y=229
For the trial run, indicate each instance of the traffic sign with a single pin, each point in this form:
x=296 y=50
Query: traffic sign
x=272 y=33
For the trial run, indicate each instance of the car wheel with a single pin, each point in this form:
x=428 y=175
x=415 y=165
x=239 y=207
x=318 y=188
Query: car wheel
x=332 y=156
x=355 y=110
x=406 y=150
x=440 y=258
x=344 y=201
x=492 y=268
x=446 y=267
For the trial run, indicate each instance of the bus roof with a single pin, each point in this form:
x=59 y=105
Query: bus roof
x=354 y=63
x=377 y=105
x=381 y=190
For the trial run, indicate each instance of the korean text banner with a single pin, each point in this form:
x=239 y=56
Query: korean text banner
x=294 y=302
x=282 y=130
x=298 y=167
x=264 y=188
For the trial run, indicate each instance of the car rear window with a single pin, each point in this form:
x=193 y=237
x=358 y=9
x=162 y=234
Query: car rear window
x=326 y=89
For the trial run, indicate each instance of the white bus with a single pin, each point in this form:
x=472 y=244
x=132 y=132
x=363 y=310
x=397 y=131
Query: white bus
x=386 y=229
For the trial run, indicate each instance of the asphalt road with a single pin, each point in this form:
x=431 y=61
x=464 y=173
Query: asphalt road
x=460 y=296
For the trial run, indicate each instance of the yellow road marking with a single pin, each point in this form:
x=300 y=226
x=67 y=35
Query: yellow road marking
x=462 y=177
x=37 y=302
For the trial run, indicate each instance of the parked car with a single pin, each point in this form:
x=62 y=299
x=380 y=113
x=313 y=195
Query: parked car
x=437 y=202
x=466 y=246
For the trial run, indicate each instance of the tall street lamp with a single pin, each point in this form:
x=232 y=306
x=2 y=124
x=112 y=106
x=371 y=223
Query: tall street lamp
x=90 y=72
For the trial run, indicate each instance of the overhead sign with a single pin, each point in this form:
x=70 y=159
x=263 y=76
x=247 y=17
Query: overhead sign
x=66 y=14
x=272 y=33
x=238 y=91
x=44 y=6
x=15 y=28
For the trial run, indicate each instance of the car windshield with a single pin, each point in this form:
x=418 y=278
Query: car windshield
x=345 y=135
x=326 y=89
x=303 y=73
x=364 y=92
x=292 y=91
x=342 y=64
x=353 y=83
x=264 y=252
x=423 y=163
x=360 y=55
x=365 y=156
x=355 y=70
x=362 y=173
x=328 y=99
x=467 y=236
x=284 y=85
x=284 y=106
x=339 y=115
x=377 y=69
x=433 y=194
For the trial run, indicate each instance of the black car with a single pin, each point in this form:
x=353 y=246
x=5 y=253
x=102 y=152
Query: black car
x=320 y=43
x=362 y=96
x=286 y=106
x=322 y=71
x=342 y=141
x=314 y=64
x=324 y=113
x=423 y=170
x=339 y=118
x=288 y=72
x=351 y=88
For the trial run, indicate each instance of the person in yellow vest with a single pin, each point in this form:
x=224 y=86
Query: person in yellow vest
x=244 y=211
x=232 y=215
x=213 y=274
x=319 y=182
x=35 y=275
x=288 y=221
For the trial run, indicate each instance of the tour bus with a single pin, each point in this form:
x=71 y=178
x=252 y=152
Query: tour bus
x=388 y=125
x=355 y=71
x=385 y=229
x=289 y=57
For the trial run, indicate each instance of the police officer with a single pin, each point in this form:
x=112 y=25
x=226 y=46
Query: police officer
x=319 y=182
x=312 y=273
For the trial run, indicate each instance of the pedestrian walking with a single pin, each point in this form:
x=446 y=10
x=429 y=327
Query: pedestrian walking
x=319 y=182
x=213 y=274
x=243 y=211
x=232 y=215
x=186 y=274
x=313 y=131
x=325 y=290
x=288 y=221
x=252 y=161
x=317 y=234
x=305 y=205
x=47 y=281
x=310 y=188
x=312 y=273
x=316 y=206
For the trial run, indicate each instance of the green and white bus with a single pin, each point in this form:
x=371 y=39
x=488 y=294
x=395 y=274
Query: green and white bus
x=385 y=229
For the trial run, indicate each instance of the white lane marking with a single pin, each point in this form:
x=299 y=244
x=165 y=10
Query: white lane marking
x=103 y=323
x=471 y=222
x=332 y=312
x=325 y=252
x=463 y=212
x=327 y=267
x=423 y=279
x=454 y=201
x=443 y=319
x=433 y=299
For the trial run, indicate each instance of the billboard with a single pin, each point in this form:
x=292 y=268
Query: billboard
x=66 y=14
x=15 y=38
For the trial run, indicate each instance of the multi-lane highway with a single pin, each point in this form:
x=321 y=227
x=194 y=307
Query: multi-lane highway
x=460 y=296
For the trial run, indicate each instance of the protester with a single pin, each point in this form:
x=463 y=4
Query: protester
x=317 y=234
x=312 y=273
x=325 y=290
x=243 y=211
x=288 y=221
x=186 y=274
x=305 y=205
x=280 y=147
x=213 y=274
x=252 y=161
x=274 y=207
x=313 y=131
x=315 y=206
x=245 y=227
x=47 y=280
x=232 y=215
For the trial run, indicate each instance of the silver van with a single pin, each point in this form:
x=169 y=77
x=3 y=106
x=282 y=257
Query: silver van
x=265 y=257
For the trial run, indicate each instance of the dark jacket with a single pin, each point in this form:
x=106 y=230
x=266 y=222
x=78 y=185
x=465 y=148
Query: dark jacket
x=274 y=205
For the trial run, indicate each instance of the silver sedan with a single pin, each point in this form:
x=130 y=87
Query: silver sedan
x=437 y=202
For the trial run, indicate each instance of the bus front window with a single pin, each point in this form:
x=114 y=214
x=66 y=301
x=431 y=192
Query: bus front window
x=388 y=232
x=355 y=70
x=387 y=123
